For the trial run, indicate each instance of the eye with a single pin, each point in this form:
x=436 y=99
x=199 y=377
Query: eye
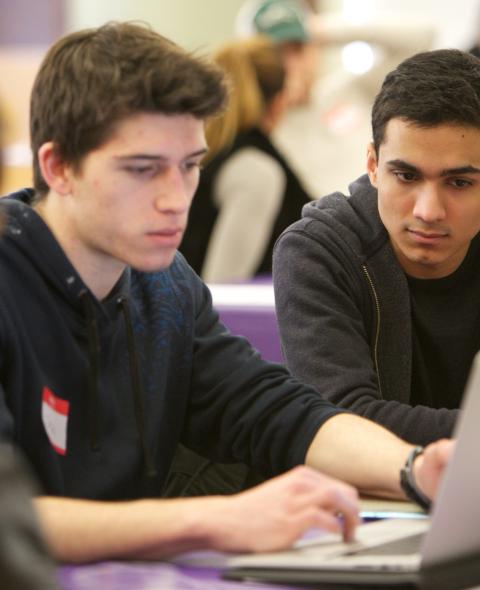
x=191 y=165
x=141 y=169
x=460 y=182
x=405 y=176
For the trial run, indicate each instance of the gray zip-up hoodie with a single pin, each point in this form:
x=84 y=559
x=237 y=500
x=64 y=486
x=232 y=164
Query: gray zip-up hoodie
x=343 y=309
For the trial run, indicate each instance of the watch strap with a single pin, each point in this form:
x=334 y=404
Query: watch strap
x=409 y=484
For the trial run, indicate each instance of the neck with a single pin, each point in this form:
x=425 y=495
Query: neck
x=266 y=125
x=99 y=273
x=272 y=114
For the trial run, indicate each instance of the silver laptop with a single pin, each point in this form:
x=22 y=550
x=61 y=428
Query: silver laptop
x=440 y=552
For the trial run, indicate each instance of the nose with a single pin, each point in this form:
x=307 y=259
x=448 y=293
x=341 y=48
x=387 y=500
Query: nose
x=172 y=195
x=429 y=206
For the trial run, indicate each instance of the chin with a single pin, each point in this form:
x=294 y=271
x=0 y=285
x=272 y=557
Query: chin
x=154 y=265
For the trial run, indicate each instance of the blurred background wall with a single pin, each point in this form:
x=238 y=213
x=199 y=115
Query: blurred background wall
x=195 y=24
x=28 y=27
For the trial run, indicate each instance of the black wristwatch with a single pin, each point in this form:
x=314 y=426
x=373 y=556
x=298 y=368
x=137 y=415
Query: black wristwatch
x=408 y=483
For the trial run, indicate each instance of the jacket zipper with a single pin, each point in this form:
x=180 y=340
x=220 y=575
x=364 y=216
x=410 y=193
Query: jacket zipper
x=377 y=330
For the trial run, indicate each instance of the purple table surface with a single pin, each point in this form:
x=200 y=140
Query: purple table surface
x=192 y=571
x=248 y=309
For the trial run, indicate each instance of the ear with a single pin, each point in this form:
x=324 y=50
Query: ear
x=372 y=165
x=54 y=170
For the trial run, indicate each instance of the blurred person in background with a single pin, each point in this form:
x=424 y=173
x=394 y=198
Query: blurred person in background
x=324 y=137
x=248 y=193
x=24 y=560
x=285 y=23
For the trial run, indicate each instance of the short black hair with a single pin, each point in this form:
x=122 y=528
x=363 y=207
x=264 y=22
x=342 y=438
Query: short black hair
x=430 y=89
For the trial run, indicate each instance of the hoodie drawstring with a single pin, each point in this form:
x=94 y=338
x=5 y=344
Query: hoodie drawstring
x=93 y=378
x=93 y=353
x=149 y=466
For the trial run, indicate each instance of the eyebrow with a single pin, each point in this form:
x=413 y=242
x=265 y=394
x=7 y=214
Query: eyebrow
x=447 y=172
x=155 y=157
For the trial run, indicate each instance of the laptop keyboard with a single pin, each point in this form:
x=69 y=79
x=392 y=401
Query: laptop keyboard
x=403 y=546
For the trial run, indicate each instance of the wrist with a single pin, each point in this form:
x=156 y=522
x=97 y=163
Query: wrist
x=408 y=480
x=211 y=521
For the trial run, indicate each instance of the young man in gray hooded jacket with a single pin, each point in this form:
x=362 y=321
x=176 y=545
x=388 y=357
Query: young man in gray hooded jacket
x=377 y=293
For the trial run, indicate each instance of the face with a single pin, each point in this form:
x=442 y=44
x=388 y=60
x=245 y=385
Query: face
x=128 y=203
x=428 y=182
x=301 y=69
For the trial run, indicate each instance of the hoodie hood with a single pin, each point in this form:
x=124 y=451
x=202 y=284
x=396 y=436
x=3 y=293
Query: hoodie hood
x=354 y=218
x=34 y=239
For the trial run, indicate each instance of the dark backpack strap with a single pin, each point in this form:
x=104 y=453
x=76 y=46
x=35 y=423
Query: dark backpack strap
x=193 y=475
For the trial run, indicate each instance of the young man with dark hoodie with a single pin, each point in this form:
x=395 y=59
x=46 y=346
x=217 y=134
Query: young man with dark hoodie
x=111 y=351
x=377 y=294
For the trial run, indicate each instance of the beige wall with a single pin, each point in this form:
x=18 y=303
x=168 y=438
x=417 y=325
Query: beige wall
x=194 y=24
x=18 y=67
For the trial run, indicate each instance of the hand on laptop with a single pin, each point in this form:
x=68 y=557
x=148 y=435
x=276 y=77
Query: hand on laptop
x=430 y=466
x=274 y=514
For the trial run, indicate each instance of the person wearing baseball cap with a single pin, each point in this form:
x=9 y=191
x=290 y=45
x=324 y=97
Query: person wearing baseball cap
x=285 y=22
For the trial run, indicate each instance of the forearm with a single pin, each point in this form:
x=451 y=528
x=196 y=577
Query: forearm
x=82 y=530
x=268 y=517
x=360 y=453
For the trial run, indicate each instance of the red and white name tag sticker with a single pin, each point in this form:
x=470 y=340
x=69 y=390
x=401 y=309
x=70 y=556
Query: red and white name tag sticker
x=55 y=420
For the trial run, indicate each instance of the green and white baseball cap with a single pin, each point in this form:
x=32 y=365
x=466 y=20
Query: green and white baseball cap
x=281 y=20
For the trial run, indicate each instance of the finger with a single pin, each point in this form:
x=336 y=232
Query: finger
x=306 y=478
x=350 y=523
x=333 y=499
x=444 y=450
x=319 y=519
x=327 y=522
x=347 y=506
x=343 y=510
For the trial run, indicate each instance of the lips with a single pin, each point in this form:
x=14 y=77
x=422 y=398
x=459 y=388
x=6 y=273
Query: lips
x=167 y=232
x=165 y=238
x=426 y=238
x=428 y=235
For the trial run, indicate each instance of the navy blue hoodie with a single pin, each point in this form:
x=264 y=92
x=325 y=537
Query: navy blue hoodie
x=98 y=394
